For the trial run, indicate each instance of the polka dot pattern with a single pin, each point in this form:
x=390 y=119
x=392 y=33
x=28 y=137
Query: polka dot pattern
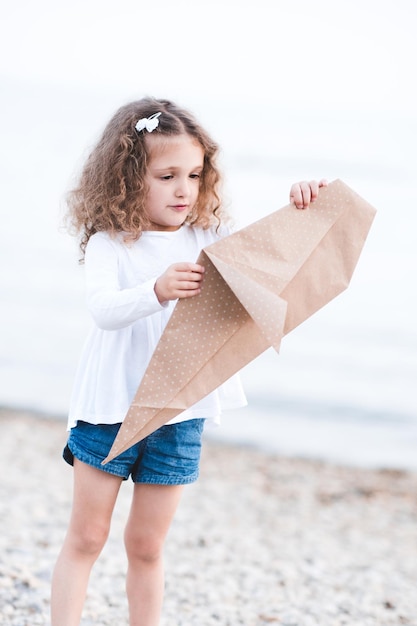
x=259 y=283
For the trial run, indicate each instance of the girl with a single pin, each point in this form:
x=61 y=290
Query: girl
x=147 y=202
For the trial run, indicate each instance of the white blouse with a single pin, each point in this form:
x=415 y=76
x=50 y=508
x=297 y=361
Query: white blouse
x=129 y=321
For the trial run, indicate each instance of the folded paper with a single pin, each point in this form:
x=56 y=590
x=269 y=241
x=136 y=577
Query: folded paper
x=259 y=284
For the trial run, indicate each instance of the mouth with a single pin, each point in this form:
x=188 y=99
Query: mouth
x=179 y=207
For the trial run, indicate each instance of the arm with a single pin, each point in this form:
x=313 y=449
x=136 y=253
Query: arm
x=110 y=306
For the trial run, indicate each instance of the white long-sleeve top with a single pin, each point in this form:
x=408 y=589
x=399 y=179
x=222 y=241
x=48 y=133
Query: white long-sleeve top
x=128 y=322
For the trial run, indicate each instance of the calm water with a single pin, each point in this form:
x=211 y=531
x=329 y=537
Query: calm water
x=343 y=387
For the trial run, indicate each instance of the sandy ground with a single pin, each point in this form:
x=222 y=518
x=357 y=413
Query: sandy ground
x=260 y=539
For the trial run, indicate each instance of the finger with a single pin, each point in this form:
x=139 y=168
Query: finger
x=301 y=194
x=190 y=276
x=188 y=285
x=315 y=186
x=296 y=196
x=189 y=267
x=305 y=191
x=188 y=293
x=314 y=190
x=187 y=280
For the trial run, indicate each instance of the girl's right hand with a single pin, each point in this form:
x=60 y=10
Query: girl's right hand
x=181 y=280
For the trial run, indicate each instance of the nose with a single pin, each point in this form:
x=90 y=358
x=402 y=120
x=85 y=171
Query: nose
x=183 y=188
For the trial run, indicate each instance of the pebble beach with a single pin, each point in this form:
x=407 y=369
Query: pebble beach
x=259 y=539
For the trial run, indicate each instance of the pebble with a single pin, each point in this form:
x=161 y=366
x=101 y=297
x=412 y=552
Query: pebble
x=258 y=540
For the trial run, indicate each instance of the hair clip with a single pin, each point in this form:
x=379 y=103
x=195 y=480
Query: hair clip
x=150 y=123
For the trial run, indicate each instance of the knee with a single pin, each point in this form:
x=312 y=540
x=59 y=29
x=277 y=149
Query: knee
x=142 y=546
x=89 y=540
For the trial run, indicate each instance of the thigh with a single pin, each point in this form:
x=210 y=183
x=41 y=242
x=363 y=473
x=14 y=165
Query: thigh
x=153 y=508
x=95 y=494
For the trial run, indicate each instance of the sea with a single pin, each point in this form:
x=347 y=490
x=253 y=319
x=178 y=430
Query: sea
x=343 y=387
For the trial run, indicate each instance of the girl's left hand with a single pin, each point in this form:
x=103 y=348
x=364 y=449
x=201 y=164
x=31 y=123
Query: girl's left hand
x=301 y=194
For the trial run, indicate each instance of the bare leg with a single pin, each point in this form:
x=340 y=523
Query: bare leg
x=95 y=494
x=153 y=508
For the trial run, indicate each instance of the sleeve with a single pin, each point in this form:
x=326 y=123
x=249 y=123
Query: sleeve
x=110 y=306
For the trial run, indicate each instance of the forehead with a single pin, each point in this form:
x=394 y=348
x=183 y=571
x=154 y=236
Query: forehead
x=172 y=151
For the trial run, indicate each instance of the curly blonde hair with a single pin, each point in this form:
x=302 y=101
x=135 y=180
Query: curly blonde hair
x=111 y=192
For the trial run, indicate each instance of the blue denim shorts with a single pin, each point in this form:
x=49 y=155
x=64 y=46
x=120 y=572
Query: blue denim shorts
x=168 y=456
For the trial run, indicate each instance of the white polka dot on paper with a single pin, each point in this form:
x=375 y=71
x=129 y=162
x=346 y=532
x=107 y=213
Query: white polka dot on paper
x=254 y=270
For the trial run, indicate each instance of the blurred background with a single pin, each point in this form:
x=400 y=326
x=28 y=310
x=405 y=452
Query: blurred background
x=290 y=89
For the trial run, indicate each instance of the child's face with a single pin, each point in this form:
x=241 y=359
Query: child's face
x=173 y=179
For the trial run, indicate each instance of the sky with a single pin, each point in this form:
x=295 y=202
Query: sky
x=326 y=80
x=305 y=55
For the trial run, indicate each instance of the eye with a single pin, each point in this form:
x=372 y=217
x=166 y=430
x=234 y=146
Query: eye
x=195 y=176
x=166 y=177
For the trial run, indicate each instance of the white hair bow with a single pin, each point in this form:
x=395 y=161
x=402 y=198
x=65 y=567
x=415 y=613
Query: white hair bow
x=150 y=123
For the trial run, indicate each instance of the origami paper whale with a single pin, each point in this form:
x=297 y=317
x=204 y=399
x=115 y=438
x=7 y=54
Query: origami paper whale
x=259 y=284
